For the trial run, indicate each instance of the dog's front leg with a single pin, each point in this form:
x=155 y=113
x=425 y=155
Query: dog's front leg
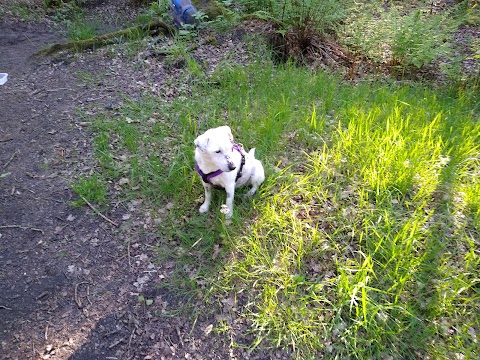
x=230 y=195
x=208 y=198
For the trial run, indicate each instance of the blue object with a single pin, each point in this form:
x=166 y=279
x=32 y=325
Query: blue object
x=183 y=12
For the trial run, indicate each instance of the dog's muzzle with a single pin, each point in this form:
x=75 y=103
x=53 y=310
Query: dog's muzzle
x=231 y=166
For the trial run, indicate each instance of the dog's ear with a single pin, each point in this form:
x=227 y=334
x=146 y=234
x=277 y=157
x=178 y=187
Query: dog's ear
x=226 y=129
x=201 y=142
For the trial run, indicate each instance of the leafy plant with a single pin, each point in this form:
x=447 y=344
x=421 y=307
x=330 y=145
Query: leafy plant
x=156 y=10
x=319 y=15
x=401 y=36
x=144 y=301
x=419 y=40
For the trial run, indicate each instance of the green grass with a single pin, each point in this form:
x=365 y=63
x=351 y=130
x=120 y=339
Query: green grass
x=22 y=11
x=362 y=242
x=92 y=188
x=79 y=29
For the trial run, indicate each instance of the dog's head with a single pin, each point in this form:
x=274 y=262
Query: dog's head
x=215 y=147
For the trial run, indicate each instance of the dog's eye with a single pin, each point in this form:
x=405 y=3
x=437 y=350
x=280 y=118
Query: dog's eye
x=218 y=151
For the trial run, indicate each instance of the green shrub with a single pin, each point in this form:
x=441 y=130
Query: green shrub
x=321 y=15
x=417 y=38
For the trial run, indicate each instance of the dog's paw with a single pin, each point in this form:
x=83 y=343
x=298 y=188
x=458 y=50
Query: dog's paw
x=203 y=209
x=225 y=210
x=250 y=192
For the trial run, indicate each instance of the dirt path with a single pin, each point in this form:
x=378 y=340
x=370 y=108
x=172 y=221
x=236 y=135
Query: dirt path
x=69 y=279
x=45 y=244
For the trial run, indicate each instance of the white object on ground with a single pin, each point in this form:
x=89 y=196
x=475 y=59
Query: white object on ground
x=3 y=78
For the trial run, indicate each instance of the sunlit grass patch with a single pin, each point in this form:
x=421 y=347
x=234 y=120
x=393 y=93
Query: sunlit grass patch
x=354 y=254
x=323 y=269
x=363 y=240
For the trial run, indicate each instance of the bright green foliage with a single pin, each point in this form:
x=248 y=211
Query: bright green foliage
x=367 y=249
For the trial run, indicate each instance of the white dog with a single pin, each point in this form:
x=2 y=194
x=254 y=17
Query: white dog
x=222 y=164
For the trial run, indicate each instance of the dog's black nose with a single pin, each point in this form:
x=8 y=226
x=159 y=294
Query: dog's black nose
x=231 y=166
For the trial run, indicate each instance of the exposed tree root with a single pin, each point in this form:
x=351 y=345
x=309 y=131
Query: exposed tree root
x=153 y=28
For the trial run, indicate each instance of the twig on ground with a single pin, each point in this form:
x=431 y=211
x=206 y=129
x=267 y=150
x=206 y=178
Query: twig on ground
x=36 y=91
x=11 y=158
x=115 y=343
x=130 y=341
x=41 y=296
x=5 y=308
x=121 y=258
x=179 y=334
x=58 y=89
x=88 y=294
x=20 y=227
x=128 y=254
x=77 y=300
x=98 y=212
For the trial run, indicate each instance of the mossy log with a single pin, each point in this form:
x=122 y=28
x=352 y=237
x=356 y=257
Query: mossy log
x=153 y=28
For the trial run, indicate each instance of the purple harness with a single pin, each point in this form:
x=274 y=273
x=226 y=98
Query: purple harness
x=206 y=177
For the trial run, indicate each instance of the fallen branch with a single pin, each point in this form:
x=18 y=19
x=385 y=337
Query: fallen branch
x=10 y=160
x=98 y=212
x=153 y=28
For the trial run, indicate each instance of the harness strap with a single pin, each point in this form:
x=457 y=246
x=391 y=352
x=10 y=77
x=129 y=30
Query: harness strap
x=242 y=162
x=206 y=177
